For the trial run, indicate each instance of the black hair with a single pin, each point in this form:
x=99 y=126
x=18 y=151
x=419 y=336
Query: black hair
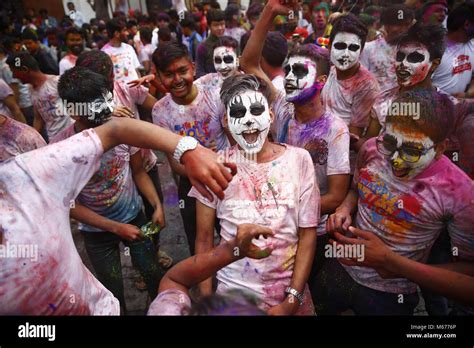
x=29 y=34
x=131 y=23
x=73 y=31
x=254 y=11
x=188 y=22
x=226 y=41
x=80 y=85
x=237 y=84
x=432 y=36
x=167 y=52
x=435 y=117
x=173 y=14
x=214 y=15
x=319 y=55
x=349 y=23
x=146 y=34
x=113 y=26
x=23 y=59
x=164 y=34
x=162 y=16
x=458 y=16
x=275 y=49
x=230 y=11
x=396 y=14
x=98 y=62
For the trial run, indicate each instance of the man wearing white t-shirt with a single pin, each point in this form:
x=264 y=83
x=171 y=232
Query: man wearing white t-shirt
x=454 y=74
x=123 y=55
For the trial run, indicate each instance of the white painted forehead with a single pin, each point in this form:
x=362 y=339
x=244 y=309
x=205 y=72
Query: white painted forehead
x=412 y=46
x=404 y=137
x=221 y=50
x=249 y=97
x=347 y=37
x=299 y=59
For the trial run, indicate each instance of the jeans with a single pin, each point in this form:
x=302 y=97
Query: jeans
x=318 y=262
x=188 y=212
x=104 y=253
x=336 y=291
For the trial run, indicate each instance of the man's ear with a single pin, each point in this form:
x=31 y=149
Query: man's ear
x=434 y=64
x=440 y=148
x=225 y=122
x=272 y=115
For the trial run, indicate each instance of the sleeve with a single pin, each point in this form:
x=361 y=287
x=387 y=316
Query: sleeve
x=65 y=167
x=363 y=101
x=338 y=153
x=5 y=90
x=159 y=117
x=170 y=302
x=31 y=140
x=309 y=212
x=7 y=76
x=196 y=194
x=138 y=94
x=283 y=111
x=363 y=157
x=201 y=60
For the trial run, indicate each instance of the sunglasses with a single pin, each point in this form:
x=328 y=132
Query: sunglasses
x=387 y=145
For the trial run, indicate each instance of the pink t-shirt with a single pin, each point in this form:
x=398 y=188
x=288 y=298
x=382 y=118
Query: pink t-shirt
x=327 y=141
x=17 y=138
x=409 y=215
x=47 y=103
x=5 y=91
x=125 y=61
x=282 y=195
x=37 y=190
x=201 y=119
x=68 y=62
x=170 y=302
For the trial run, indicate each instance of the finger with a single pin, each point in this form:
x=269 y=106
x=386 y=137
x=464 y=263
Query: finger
x=202 y=190
x=330 y=223
x=214 y=187
x=337 y=222
x=347 y=223
x=133 y=83
x=346 y=240
x=257 y=253
x=232 y=167
x=258 y=231
x=361 y=233
x=220 y=179
x=128 y=111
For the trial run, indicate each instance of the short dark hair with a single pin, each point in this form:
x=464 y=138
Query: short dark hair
x=432 y=36
x=146 y=34
x=349 y=23
x=319 y=55
x=233 y=302
x=29 y=34
x=73 y=31
x=188 y=22
x=113 y=26
x=164 y=34
x=230 y=11
x=459 y=15
x=163 y=16
x=97 y=61
x=214 y=15
x=240 y=83
x=436 y=113
x=131 y=23
x=167 y=52
x=275 y=49
x=80 y=85
x=254 y=11
x=25 y=59
x=397 y=14
x=226 y=41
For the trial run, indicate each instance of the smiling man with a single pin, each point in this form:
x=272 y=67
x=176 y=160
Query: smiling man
x=188 y=109
x=406 y=192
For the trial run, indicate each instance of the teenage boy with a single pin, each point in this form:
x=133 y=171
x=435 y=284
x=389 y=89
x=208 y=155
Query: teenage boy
x=216 y=23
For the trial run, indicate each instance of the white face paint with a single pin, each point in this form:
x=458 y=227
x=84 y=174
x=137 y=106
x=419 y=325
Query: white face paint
x=412 y=64
x=248 y=116
x=401 y=168
x=225 y=61
x=300 y=74
x=345 y=50
x=100 y=110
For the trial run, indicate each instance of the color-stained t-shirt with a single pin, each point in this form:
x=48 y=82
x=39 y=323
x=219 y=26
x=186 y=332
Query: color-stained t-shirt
x=125 y=61
x=281 y=194
x=17 y=138
x=202 y=119
x=111 y=192
x=47 y=103
x=327 y=141
x=379 y=58
x=5 y=91
x=170 y=302
x=49 y=278
x=409 y=215
x=67 y=62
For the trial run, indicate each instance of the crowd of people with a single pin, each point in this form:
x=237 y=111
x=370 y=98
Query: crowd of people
x=322 y=150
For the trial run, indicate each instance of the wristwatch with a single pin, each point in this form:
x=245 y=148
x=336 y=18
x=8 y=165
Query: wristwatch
x=295 y=293
x=185 y=144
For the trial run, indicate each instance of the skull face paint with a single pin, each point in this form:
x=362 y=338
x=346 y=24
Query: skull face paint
x=225 y=61
x=300 y=79
x=248 y=116
x=412 y=64
x=100 y=110
x=345 y=50
x=412 y=144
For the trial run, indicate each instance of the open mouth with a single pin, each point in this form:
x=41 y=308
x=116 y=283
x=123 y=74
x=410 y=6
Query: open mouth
x=180 y=87
x=403 y=74
x=251 y=136
x=343 y=61
x=400 y=172
x=225 y=71
x=289 y=88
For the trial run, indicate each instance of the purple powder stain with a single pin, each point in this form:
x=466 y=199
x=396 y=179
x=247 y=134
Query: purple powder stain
x=53 y=307
x=418 y=187
x=80 y=160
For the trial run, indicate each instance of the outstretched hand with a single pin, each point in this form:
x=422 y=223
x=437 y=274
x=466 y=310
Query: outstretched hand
x=282 y=7
x=245 y=234
x=375 y=252
x=204 y=169
x=145 y=80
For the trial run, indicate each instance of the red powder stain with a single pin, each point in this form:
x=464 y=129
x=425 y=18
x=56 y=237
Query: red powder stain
x=411 y=204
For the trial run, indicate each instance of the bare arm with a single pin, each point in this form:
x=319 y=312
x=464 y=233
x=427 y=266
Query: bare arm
x=205 y=220
x=342 y=217
x=11 y=104
x=178 y=168
x=338 y=185
x=38 y=122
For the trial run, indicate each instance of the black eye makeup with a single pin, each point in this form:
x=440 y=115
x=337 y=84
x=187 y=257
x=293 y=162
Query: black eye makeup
x=217 y=60
x=237 y=108
x=414 y=57
x=228 y=59
x=257 y=107
x=300 y=70
x=287 y=69
x=343 y=46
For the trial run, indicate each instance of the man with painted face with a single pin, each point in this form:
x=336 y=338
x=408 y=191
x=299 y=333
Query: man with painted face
x=378 y=56
x=109 y=208
x=190 y=109
x=75 y=45
x=304 y=123
x=406 y=192
x=351 y=89
x=204 y=58
x=266 y=193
